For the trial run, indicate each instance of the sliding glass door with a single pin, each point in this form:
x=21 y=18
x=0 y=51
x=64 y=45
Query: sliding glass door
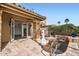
x=27 y=30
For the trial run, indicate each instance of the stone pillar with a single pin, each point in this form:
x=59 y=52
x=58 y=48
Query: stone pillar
x=38 y=31
x=34 y=31
x=0 y=26
x=27 y=30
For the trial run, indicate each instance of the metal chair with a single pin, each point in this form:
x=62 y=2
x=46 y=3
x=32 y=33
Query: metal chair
x=59 y=46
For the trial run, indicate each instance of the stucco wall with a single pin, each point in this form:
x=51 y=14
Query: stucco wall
x=6 y=36
x=0 y=27
x=5 y=28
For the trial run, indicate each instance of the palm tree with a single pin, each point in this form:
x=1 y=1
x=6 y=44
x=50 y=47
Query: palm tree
x=59 y=22
x=66 y=20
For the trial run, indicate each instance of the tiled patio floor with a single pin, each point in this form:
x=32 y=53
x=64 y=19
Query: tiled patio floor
x=28 y=47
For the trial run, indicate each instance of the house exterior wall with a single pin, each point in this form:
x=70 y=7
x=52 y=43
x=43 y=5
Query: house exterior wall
x=8 y=12
x=6 y=34
x=5 y=28
x=0 y=27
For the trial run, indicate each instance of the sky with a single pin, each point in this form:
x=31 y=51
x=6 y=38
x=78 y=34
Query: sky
x=55 y=12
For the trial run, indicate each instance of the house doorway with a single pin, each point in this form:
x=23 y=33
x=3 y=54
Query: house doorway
x=21 y=30
x=27 y=30
x=24 y=30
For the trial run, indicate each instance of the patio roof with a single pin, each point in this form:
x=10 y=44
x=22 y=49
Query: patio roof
x=25 y=12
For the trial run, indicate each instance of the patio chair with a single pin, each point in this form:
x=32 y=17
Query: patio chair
x=60 y=46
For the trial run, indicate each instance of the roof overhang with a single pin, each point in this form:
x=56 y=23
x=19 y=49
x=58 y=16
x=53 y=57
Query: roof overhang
x=11 y=8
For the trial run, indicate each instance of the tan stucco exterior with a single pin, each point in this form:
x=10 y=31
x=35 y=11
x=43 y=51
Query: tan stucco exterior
x=5 y=28
x=0 y=26
x=11 y=11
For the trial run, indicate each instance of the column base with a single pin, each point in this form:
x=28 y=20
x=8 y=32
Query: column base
x=43 y=41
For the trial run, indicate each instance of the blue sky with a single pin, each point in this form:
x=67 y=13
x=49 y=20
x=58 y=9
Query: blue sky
x=56 y=11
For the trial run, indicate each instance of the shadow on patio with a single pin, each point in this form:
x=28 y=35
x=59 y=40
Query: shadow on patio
x=3 y=45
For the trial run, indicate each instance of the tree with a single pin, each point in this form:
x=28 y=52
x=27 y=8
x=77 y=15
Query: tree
x=65 y=29
x=66 y=20
x=19 y=5
x=78 y=27
x=59 y=22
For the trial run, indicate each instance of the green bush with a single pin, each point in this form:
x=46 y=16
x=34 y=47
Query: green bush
x=65 y=29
